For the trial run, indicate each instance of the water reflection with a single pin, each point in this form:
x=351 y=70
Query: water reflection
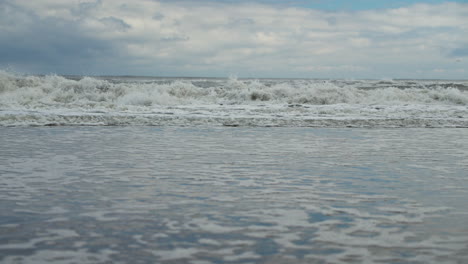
x=232 y=195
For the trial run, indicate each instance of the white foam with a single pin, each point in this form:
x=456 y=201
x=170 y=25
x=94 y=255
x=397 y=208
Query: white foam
x=51 y=235
x=175 y=254
x=55 y=100
x=239 y=257
x=63 y=256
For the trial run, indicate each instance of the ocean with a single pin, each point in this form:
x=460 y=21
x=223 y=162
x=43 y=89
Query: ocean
x=202 y=170
x=135 y=101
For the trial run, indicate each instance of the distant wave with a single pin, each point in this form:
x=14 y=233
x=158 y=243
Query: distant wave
x=52 y=99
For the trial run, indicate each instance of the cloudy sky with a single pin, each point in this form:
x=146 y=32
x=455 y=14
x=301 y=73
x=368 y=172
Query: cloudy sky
x=262 y=38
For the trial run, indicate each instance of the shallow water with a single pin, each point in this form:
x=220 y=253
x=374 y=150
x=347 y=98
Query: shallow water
x=233 y=195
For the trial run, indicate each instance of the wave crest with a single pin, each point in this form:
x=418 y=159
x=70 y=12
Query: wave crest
x=34 y=91
x=118 y=100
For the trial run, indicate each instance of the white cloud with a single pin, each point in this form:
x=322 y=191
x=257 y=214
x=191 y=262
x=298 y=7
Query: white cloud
x=189 y=38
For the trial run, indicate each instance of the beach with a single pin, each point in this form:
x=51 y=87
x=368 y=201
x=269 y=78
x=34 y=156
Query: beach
x=233 y=132
x=233 y=195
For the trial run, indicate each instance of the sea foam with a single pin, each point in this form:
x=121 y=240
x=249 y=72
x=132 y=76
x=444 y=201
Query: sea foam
x=52 y=99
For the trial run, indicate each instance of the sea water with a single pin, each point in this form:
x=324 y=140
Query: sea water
x=56 y=100
x=150 y=170
x=233 y=195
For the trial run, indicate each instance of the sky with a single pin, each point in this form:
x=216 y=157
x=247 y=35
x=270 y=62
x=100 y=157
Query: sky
x=256 y=39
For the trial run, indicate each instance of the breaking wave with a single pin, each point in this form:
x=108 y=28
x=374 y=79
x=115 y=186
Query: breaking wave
x=50 y=97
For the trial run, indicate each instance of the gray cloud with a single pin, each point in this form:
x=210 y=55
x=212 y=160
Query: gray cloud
x=332 y=21
x=460 y=52
x=217 y=39
x=115 y=23
x=158 y=16
x=235 y=22
x=49 y=44
x=86 y=7
x=175 y=38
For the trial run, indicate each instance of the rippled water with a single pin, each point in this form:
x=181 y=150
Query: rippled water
x=233 y=195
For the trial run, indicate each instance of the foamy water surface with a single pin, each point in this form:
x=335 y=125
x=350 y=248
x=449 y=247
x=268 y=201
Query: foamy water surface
x=233 y=195
x=120 y=101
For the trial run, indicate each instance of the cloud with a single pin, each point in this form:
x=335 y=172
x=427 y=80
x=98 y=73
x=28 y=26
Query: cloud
x=115 y=23
x=82 y=9
x=158 y=16
x=207 y=38
x=46 y=44
x=460 y=52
